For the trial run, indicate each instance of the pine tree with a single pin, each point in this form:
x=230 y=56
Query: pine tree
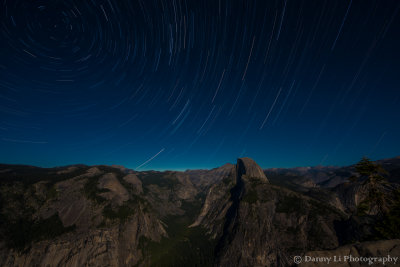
x=373 y=175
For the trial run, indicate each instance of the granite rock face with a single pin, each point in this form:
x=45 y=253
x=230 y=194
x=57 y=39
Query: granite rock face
x=249 y=168
x=135 y=182
x=114 y=246
x=116 y=192
x=95 y=238
x=228 y=216
x=261 y=221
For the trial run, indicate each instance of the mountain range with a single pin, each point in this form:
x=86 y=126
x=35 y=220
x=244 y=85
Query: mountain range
x=234 y=215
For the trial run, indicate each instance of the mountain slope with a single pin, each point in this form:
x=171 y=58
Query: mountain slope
x=264 y=222
x=234 y=215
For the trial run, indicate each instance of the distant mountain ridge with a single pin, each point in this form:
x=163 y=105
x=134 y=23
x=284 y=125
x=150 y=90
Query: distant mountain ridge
x=331 y=176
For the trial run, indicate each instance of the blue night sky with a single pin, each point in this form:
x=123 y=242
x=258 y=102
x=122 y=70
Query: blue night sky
x=173 y=84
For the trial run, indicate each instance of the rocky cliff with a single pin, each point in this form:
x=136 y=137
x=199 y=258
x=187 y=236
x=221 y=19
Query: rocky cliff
x=101 y=221
x=264 y=222
x=229 y=216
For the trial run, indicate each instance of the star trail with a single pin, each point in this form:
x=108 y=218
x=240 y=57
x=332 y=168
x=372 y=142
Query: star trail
x=174 y=84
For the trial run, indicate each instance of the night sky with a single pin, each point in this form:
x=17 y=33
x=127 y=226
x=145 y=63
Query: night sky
x=173 y=84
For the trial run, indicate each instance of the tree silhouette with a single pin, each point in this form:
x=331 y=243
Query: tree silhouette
x=372 y=175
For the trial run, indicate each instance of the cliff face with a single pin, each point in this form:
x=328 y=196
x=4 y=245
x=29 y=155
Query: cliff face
x=262 y=221
x=248 y=168
x=91 y=207
x=229 y=216
x=112 y=246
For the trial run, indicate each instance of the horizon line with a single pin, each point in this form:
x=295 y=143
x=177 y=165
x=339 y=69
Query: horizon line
x=180 y=169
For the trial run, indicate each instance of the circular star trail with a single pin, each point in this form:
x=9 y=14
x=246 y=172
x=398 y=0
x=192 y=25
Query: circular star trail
x=194 y=84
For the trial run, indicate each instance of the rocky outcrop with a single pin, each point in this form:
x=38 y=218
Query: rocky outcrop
x=217 y=201
x=92 y=249
x=270 y=223
x=72 y=206
x=94 y=238
x=248 y=168
x=185 y=189
x=228 y=216
x=214 y=209
x=117 y=193
x=94 y=171
x=112 y=246
x=203 y=179
x=135 y=182
x=305 y=182
x=262 y=221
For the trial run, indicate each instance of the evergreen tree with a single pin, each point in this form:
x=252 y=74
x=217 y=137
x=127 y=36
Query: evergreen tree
x=372 y=175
